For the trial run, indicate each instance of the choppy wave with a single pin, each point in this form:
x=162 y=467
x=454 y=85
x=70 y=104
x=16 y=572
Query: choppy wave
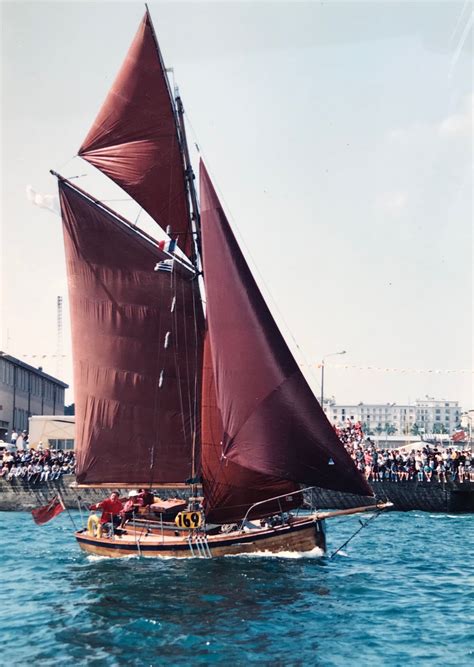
x=343 y=553
x=396 y=594
x=314 y=553
x=94 y=558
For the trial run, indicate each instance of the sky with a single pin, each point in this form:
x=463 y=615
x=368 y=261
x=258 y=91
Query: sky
x=339 y=139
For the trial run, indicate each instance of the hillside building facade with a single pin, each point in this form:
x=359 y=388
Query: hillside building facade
x=426 y=415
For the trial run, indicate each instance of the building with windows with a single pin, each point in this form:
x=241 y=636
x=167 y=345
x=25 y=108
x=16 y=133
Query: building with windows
x=426 y=415
x=24 y=391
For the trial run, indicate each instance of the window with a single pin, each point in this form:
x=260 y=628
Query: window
x=20 y=419
x=61 y=444
x=7 y=372
x=35 y=385
x=48 y=391
x=21 y=379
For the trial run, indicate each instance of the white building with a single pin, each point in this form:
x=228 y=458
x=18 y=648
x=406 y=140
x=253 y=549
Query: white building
x=426 y=415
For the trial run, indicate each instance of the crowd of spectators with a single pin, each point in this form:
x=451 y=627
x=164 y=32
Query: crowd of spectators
x=423 y=461
x=35 y=465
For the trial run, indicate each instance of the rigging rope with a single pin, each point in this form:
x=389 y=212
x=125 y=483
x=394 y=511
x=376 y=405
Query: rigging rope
x=253 y=261
x=363 y=524
x=67 y=510
x=197 y=392
x=157 y=395
x=176 y=346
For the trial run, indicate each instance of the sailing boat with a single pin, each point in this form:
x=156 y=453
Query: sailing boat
x=167 y=394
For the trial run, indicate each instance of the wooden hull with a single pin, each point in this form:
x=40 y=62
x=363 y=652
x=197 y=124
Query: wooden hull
x=302 y=535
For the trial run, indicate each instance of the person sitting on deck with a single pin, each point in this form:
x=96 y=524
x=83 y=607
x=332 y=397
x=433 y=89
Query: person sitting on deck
x=111 y=509
x=129 y=508
x=145 y=497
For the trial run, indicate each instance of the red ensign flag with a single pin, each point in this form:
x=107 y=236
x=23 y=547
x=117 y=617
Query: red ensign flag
x=44 y=514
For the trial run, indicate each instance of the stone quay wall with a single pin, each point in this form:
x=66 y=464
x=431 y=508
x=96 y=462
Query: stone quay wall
x=452 y=497
x=20 y=496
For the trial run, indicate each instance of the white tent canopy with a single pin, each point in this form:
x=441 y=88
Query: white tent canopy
x=415 y=446
x=46 y=428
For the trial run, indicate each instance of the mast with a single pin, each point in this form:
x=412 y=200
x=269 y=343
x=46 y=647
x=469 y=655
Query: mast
x=195 y=221
x=195 y=225
x=189 y=174
x=194 y=217
x=189 y=177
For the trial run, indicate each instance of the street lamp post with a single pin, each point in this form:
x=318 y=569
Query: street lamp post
x=332 y=354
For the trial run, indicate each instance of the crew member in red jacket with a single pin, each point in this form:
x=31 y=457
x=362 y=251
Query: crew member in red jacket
x=111 y=508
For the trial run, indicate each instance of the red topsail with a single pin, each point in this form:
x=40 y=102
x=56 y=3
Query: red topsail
x=134 y=139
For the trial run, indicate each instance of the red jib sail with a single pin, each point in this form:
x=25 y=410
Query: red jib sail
x=230 y=489
x=271 y=421
x=137 y=345
x=134 y=139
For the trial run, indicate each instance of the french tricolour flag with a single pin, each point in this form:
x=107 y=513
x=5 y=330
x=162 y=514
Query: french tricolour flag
x=167 y=246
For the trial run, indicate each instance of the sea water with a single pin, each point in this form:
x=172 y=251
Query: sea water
x=401 y=592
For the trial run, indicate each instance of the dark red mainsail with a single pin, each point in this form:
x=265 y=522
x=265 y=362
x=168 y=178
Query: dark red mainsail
x=137 y=347
x=271 y=421
x=134 y=139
